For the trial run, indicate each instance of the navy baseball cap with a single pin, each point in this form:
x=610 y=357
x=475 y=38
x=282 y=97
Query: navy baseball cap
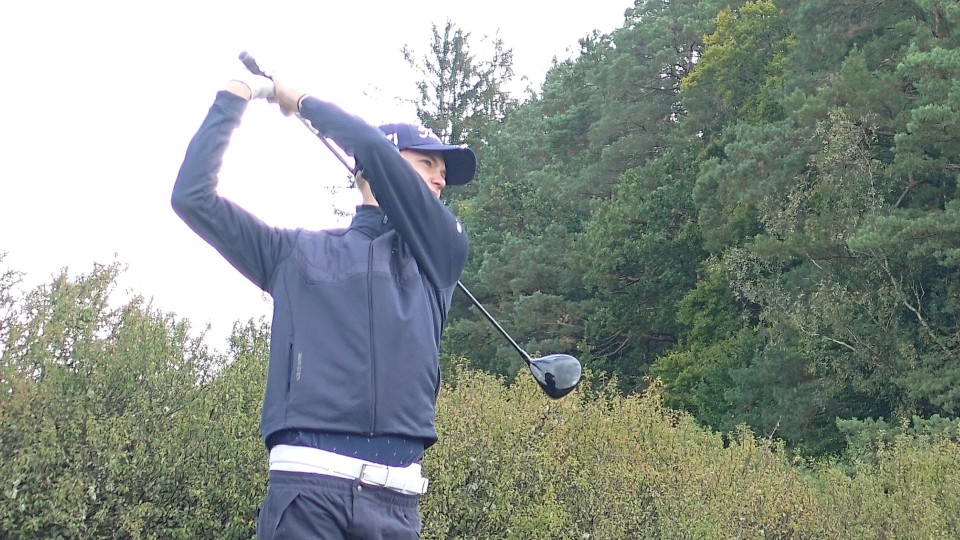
x=460 y=161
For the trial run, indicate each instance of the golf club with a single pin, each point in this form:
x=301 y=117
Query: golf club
x=557 y=374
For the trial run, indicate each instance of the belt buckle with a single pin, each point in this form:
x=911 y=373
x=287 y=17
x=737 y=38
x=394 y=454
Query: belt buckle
x=365 y=478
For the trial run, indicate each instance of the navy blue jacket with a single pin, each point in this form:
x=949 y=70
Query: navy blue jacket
x=358 y=312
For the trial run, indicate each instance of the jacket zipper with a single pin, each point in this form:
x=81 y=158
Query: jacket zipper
x=373 y=351
x=286 y=399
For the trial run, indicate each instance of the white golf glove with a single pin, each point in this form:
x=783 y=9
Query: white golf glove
x=260 y=86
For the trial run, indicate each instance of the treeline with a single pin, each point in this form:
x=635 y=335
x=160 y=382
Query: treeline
x=116 y=423
x=753 y=202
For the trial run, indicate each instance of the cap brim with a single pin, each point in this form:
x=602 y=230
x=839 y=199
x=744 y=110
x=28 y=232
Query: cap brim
x=460 y=161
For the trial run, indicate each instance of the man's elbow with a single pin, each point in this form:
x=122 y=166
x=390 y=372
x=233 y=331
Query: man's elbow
x=179 y=202
x=183 y=201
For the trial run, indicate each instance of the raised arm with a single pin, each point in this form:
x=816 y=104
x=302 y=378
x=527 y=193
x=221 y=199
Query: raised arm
x=251 y=246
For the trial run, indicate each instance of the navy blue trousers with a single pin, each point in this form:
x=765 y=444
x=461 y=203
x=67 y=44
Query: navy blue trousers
x=312 y=506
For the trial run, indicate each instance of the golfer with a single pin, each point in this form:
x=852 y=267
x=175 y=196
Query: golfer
x=357 y=316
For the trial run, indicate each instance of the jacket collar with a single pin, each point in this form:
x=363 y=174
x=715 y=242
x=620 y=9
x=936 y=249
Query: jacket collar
x=371 y=221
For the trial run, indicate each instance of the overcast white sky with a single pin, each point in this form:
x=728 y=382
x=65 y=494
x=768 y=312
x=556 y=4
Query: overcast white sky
x=100 y=98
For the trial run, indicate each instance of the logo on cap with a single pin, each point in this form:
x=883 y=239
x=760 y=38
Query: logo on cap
x=427 y=133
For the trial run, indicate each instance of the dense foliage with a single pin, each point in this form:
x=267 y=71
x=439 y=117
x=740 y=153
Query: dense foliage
x=116 y=424
x=755 y=202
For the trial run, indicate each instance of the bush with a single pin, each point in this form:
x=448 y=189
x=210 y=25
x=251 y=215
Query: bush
x=597 y=465
x=115 y=423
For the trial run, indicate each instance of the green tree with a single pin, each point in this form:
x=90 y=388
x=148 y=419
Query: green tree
x=841 y=283
x=819 y=304
x=522 y=225
x=607 y=111
x=462 y=98
x=644 y=249
x=925 y=149
x=95 y=396
x=637 y=86
x=805 y=151
x=118 y=423
x=230 y=478
x=740 y=73
x=718 y=338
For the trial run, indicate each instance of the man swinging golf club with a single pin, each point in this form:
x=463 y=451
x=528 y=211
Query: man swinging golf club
x=358 y=313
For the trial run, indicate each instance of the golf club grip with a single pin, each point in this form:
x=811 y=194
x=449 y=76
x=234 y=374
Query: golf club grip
x=251 y=64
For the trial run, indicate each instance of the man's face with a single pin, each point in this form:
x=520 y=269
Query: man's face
x=430 y=166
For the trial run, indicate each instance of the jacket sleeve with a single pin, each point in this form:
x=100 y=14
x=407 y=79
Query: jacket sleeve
x=251 y=246
x=435 y=237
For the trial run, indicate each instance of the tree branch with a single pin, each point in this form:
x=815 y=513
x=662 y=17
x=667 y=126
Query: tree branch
x=912 y=184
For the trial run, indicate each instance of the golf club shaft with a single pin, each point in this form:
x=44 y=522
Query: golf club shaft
x=519 y=349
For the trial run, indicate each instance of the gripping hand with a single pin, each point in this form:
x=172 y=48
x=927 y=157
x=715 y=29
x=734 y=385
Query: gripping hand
x=260 y=86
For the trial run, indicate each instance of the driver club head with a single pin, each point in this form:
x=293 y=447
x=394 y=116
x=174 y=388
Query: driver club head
x=557 y=374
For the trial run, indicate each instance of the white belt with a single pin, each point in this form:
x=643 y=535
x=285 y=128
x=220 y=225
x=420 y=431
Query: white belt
x=303 y=459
